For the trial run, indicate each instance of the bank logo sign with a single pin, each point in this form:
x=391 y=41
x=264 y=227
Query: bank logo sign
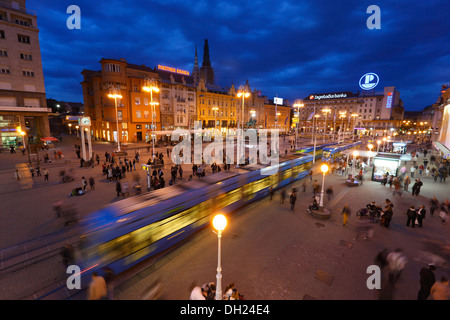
x=369 y=81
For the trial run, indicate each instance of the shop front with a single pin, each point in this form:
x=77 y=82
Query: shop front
x=385 y=163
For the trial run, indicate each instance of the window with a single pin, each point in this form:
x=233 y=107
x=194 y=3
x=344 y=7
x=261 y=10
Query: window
x=138 y=114
x=119 y=115
x=2 y=34
x=28 y=73
x=137 y=100
x=26 y=56
x=111 y=67
x=23 y=39
x=4 y=70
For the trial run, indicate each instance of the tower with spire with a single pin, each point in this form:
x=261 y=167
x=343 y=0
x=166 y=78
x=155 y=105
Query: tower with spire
x=206 y=71
x=196 y=71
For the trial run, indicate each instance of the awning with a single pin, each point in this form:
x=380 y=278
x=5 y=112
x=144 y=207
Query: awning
x=49 y=139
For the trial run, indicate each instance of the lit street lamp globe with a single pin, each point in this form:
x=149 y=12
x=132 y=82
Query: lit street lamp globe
x=219 y=222
x=324 y=168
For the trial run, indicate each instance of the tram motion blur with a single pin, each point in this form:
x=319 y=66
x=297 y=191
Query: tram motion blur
x=131 y=230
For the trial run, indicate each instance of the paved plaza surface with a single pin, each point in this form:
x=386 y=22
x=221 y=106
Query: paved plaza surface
x=268 y=251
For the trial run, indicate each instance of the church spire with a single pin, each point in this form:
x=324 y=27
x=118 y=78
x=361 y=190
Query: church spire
x=196 y=71
x=206 y=62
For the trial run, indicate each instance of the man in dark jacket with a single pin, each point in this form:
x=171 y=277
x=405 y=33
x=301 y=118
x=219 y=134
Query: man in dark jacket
x=427 y=279
x=411 y=214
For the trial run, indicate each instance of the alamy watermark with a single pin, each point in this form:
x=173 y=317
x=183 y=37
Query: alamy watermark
x=222 y=149
x=74 y=21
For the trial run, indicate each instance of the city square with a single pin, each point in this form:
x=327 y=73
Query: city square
x=181 y=182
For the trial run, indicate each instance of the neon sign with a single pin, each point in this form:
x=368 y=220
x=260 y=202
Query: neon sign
x=389 y=100
x=174 y=70
x=369 y=81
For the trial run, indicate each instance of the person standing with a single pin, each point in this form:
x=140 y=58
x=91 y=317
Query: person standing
x=421 y=215
x=388 y=213
x=411 y=214
x=282 y=196
x=427 y=279
x=434 y=203
x=118 y=188
x=345 y=214
x=45 y=175
x=84 y=183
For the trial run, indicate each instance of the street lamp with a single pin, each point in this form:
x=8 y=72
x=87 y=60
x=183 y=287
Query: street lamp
x=215 y=109
x=325 y=111
x=70 y=128
x=354 y=115
x=219 y=223
x=355 y=154
x=384 y=144
x=342 y=115
x=315 y=138
x=378 y=147
x=23 y=133
x=116 y=96
x=151 y=86
x=370 y=146
x=298 y=104
x=244 y=93
x=77 y=127
x=324 y=168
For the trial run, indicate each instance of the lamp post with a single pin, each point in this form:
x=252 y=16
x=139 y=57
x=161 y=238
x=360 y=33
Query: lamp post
x=70 y=128
x=298 y=104
x=378 y=147
x=370 y=146
x=354 y=115
x=325 y=111
x=324 y=168
x=151 y=86
x=25 y=145
x=315 y=138
x=215 y=109
x=219 y=223
x=244 y=93
x=77 y=127
x=355 y=154
x=342 y=115
x=384 y=144
x=115 y=96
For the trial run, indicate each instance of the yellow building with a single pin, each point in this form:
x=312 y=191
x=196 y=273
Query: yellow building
x=135 y=115
x=216 y=106
x=277 y=116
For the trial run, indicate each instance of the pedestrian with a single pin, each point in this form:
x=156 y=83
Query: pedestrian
x=67 y=254
x=440 y=290
x=118 y=188
x=180 y=171
x=304 y=186
x=45 y=175
x=406 y=183
x=83 y=183
x=97 y=287
x=293 y=198
x=427 y=279
x=412 y=170
x=396 y=262
x=421 y=212
x=92 y=183
x=418 y=184
x=345 y=214
x=282 y=195
x=443 y=211
x=411 y=214
x=109 y=280
x=329 y=193
x=17 y=175
x=310 y=174
x=388 y=213
x=271 y=192
x=434 y=203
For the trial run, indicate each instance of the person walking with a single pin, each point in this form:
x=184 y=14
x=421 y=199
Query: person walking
x=83 y=183
x=406 y=183
x=443 y=211
x=345 y=214
x=118 y=188
x=411 y=214
x=97 y=287
x=282 y=196
x=427 y=279
x=92 y=183
x=45 y=174
x=292 y=199
x=388 y=213
x=440 y=290
x=17 y=175
x=418 y=186
x=271 y=192
x=412 y=170
x=434 y=203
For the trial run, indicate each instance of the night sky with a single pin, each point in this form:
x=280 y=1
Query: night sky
x=285 y=48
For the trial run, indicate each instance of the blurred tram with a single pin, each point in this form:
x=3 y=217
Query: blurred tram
x=131 y=230
x=332 y=152
x=319 y=149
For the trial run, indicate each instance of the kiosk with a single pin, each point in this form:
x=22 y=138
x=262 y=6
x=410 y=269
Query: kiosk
x=385 y=163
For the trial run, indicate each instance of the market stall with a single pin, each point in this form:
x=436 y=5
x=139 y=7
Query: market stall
x=385 y=163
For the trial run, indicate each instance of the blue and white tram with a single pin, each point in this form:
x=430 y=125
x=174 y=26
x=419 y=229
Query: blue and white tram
x=310 y=149
x=332 y=152
x=131 y=230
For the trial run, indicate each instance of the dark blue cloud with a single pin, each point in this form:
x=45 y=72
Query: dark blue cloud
x=290 y=48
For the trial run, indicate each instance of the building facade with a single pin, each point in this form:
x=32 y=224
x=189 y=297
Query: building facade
x=23 y=103
x=277 y=115
x=137 y=112
x=373 y=113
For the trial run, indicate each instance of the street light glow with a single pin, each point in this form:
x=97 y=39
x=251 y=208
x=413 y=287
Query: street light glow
x=219 y=222
x=324 y=168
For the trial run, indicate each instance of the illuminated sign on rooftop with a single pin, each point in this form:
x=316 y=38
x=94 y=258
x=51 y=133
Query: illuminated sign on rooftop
x=328 y=96
x=174 y=70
